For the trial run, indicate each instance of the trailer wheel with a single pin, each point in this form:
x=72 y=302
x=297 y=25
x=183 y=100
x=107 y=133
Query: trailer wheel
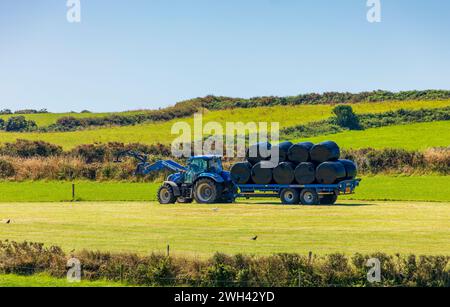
x=207 y=191
x=166 y=195
x=329 y=199
x=289 y=196
x=309 y=197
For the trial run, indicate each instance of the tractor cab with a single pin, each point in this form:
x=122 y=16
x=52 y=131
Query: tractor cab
x=202 y=164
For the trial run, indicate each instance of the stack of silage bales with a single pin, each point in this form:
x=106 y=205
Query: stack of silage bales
x=302 y=163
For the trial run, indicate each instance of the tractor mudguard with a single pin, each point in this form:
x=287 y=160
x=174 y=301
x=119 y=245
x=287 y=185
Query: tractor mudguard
x=217 y=178
x=175 y=188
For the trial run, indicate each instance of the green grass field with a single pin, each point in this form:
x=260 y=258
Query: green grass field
x=42 y=280
x=161 y=132
x=414 y=188
x=46 y=119
x=198 y=230
x=413 y=137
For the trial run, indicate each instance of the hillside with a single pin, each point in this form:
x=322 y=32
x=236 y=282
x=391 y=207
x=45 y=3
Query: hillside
x=151 y=133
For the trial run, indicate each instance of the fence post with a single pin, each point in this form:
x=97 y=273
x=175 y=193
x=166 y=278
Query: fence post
x=168 y=250
x=73 y=191
x=121 y=273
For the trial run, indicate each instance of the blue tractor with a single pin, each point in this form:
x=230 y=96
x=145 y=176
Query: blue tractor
x=202 y=180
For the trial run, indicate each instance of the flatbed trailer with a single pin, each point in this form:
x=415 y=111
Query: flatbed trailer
x=308 y=194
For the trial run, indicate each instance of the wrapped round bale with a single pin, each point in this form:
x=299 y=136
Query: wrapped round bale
x=259 y=152
x=299 y=153
x=284 y=173
x=330 y=172
x=283 y=149
x=305 y=173
x=325 y=151
x=350 y=169
x=262 y=172
x=241 y=172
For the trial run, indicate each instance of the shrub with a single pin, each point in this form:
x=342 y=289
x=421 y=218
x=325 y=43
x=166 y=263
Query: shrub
x=68 y=123
x=6 y=169
x=346 y=118
x=26 y=149
x=20 y=124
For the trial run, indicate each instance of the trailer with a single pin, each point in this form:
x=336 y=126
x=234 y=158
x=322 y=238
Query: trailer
x=308 y=194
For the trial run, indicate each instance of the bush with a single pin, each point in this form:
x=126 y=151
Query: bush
x=26 y=149
x=68 y=123
x=346 y=118
x=20 y=124
x=6 y=169
x=2 y=124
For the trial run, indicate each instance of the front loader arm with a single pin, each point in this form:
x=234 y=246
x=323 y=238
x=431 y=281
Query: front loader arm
x=147 y=168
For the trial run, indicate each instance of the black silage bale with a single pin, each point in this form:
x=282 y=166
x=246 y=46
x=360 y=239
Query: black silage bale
x=262 y=172
x=350 y=169
x=284 y=173
x=241 y=172
x=305 y=173
x=325 y=151
x=283 y=149
x=299 y=153
x=259 y=152
x=330 y=172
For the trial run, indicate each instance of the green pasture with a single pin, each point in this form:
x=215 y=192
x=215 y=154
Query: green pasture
x=201 y=230
x=401 y=188
x=160 y=132
x=43 y=280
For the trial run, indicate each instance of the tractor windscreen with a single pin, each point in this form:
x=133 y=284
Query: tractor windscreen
x=215 y=165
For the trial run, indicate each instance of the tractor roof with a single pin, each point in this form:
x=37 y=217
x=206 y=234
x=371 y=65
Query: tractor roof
x=206 y=157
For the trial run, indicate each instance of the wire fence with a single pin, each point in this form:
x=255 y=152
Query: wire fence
x=122 y=275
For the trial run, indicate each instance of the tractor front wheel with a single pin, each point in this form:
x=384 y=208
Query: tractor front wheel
x=166 y=195
x=207 y=191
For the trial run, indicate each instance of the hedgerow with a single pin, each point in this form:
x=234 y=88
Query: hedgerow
x=278 y=270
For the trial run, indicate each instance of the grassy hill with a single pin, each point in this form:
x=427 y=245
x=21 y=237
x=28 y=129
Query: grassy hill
x=414 y=137
x=288 y=116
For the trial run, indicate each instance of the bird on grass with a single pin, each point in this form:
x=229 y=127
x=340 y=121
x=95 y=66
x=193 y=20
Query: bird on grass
x=215 y=209
x=255 y=238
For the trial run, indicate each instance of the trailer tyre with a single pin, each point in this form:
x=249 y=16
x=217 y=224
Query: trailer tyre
x=166 y=195
x=328 y=199
x=207 y=191
x=289 y=196
x=309 y=197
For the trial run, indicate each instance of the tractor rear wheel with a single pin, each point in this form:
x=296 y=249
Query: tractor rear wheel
x=207 y=191
x=166 y=195
x=309 y=197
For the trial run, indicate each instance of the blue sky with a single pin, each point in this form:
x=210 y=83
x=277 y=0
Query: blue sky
x=152 y=53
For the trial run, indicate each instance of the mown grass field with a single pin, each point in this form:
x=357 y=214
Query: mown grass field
x=417 y=136
x=198 y=230
x=402 y=188
x=160 y=132
x=42 y=280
